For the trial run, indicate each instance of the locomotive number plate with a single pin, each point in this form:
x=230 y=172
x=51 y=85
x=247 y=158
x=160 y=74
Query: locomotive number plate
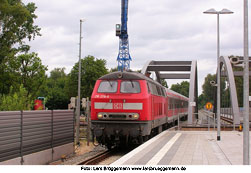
x=117 y=106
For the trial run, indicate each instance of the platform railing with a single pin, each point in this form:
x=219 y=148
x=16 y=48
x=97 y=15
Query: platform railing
x=210 y=116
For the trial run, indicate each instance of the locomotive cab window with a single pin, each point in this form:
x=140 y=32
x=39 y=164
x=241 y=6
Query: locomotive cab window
x=130 y=87
x=148 y=88
x=108 y=87
x=153 y=89
x=159 y=90
x=164 y=92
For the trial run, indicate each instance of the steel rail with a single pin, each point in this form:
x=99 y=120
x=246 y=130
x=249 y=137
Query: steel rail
x=98 y=158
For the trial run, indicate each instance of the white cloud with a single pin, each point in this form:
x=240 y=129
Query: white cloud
x=158 y=30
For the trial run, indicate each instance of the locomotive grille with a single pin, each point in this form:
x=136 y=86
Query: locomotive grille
x=117 y=116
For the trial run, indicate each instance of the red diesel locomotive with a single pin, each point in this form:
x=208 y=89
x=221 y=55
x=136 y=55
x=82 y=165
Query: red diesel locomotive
x=128 y=107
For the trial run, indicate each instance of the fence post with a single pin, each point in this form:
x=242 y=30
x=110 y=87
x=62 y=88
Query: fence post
x=73 y=130
x=208 y=122
x=214 y=120
x=21 y=140
x=52 y=133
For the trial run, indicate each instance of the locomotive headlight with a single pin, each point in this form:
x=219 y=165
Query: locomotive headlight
x=100 y=115
x=135 y=116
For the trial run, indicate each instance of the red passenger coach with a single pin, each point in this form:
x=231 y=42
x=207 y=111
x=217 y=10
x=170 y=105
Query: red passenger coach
x=128 y=107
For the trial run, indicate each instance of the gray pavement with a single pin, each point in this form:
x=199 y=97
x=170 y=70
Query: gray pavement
x=188 y=148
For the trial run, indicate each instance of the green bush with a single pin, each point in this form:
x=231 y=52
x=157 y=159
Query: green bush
x=16 y=101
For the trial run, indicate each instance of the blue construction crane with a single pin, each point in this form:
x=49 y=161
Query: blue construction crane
x=124 y=57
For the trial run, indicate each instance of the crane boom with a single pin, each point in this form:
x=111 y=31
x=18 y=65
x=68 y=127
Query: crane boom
x=124 y=57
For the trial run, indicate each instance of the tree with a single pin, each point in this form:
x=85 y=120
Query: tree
x=239 y=90
x=58 y=73
x=20 y=72
x=209 y=91
x=55 y=90
x=31 y=71
x=26 y=69
x=91 y=70
x=182 y=88
x=239 y=83
x=115 y=69
x=164 y=83
x=201 y=101
x=15 y=101
x=17 y=24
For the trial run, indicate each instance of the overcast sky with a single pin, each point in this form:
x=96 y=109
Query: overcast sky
x=158 y=30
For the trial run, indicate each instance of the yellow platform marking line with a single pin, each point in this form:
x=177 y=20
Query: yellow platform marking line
x=157 y=157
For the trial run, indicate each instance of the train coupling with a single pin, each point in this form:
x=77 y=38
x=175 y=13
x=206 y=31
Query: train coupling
x=117 y=135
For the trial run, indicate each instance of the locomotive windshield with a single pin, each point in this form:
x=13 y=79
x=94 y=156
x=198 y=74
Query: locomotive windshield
x=130 y=87
x=108 y=87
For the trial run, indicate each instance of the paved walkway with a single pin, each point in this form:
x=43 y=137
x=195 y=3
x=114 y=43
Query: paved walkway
x=188 y=148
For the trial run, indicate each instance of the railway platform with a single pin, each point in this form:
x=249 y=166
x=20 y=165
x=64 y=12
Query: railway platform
x=188 y=148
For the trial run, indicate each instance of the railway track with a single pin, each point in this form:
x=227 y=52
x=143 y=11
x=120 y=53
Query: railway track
x=106 y=157
x=228 y=120
x=109 y=156
x=98 y=158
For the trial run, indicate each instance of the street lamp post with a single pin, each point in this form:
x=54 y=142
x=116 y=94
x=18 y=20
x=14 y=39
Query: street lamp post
x=246 y=89
x=213 y=11
x=79 y=84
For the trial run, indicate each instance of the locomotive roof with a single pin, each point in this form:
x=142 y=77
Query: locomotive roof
x=134 y=76
x=127 y=76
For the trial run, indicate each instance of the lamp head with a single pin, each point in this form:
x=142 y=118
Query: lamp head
x=211 y=11
x=225 y=11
